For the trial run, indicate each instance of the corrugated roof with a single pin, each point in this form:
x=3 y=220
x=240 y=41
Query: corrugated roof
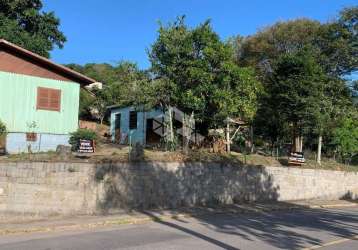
x=81 y=78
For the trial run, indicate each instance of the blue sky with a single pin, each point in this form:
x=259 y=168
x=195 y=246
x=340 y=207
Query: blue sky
x=114 y=30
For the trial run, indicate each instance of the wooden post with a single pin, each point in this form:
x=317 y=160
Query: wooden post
x=171 y=135
x=319 y=149
x=252 y=139
x=228 y=141
x=185 y=133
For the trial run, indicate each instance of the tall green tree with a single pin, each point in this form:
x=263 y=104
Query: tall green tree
x=332 y=104
x=334 y=44
x=24 y=23
x=332 y=47
x=295 y=89
x=263 y=48
x=203 y=75
x=337 y=43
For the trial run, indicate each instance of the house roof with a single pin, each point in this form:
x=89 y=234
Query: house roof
x=46 y=62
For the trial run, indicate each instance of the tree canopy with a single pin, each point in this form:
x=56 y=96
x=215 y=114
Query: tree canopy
x=302 y=64
x=333 y=43
x=122 y=84
x=202 y=74
x=24 y=23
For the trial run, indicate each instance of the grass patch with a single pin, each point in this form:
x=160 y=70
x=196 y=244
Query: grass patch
x=115 y=153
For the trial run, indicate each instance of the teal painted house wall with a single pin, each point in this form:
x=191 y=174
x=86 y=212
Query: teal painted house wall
x=18 y=101
x=139 y=134
x=18 y=97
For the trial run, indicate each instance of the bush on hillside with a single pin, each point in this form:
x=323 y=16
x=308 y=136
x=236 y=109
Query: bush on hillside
x=346 y=138
x=84 y=134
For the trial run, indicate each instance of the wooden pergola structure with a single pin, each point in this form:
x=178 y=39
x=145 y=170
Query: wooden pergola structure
x=237 y=124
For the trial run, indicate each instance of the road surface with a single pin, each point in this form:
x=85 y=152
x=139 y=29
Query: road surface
x=299 y=229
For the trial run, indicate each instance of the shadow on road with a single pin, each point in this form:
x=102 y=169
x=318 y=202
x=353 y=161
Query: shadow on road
x=281 y=229
x=145 y=186
x=190 y=232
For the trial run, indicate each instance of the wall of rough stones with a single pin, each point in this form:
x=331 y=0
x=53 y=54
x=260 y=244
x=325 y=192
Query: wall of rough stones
x=41 y=188
x=47 y=188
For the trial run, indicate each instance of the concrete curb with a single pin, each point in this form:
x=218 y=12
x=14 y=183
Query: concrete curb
x=133 y=220
x=104 y=223
x=142 y=219
x=333 y=205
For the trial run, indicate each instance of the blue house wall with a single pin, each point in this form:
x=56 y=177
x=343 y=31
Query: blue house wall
x=17 y=143
x=138 y=134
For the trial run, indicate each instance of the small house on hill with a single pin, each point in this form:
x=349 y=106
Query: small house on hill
x=39 y=100
x=130 y=125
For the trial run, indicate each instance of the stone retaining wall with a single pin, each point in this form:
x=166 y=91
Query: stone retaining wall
x=83 y=188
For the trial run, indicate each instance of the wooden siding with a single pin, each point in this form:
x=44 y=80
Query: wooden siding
x=10 y=61
x=18 y=100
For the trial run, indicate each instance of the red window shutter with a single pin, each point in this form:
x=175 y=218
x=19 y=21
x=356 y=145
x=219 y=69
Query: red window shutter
x=55 y=100
x=48 y=99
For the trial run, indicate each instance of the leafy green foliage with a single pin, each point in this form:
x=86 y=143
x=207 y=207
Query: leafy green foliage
x=337 y=43
x=101 y=102
x=302 y=64
x=346 y=137
x=123 y=85
x=300 y=98
x=295 y=85
x=86 y=102
x=334 y=44
x=273 y=41
x=25 y=24
x=84 y=134
x=199 y=72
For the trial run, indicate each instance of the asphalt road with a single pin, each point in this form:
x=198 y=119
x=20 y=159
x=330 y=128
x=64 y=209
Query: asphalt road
x=300 y=229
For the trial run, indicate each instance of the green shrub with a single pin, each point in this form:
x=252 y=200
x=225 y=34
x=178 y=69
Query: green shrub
x=346 y=138
x=84 y=134
x=2 y=128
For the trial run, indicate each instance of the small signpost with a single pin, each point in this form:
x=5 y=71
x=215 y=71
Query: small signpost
x=86 y=146
x=296 y=158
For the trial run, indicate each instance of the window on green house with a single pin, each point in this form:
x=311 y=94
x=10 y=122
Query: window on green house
x=48 y=99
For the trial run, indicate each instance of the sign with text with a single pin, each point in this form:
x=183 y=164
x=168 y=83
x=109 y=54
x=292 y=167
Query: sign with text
x=86 y=146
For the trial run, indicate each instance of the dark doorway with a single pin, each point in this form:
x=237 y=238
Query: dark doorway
x=152 y=137
x=117 y=128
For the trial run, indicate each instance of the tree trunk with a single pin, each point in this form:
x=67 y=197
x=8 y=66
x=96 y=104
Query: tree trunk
x=169 y=133
x=228 y=142
x=252 y=139
x=188 y=127
x=319 y=149
x=295 y=141
x=296 y=144
x=185 y=134
x=301 y=144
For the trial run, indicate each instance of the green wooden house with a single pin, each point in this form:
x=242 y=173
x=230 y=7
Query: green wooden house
x=39 y=100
